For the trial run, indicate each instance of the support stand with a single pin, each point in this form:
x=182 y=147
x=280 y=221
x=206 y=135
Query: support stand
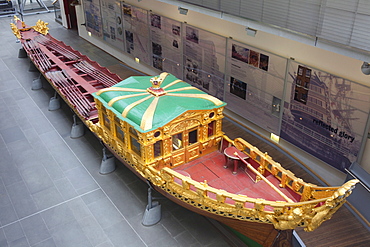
x=32 y=67
x=54 y=103
x=153 y=213
x=22 y=53
x=108 y=164
x=77 y=129
x=42 y=8
x=36 y=83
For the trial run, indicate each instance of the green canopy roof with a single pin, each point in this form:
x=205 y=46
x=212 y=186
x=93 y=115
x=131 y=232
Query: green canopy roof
x=148 y=102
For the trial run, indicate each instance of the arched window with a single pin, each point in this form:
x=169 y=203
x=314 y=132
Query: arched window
x=134 y=143
x=211 y=128
x=193 y=136
x=119 y=132
x=106 y=120
x=158 y=149
x=177 y=141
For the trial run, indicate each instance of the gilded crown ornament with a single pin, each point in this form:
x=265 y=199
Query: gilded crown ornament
x=156 y=81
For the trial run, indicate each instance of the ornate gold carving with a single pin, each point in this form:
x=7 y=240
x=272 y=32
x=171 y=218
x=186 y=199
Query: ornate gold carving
x=286 y=221
x=284 y=215
x=15 y=31
x=41 y=27
x=150 y=152
x=181 y=126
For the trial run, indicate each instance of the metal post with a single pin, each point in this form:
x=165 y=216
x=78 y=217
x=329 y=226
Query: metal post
x=153 y=213
x=77 y=128
x=54 y=103
x=108 y=163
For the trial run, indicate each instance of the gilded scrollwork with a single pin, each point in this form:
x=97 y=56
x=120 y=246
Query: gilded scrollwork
x=41 y=27
x=286 y=221
x=282 y=217
x=15 y=31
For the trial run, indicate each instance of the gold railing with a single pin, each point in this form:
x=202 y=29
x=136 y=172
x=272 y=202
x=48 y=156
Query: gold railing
x=287 y=179
x=283 y=215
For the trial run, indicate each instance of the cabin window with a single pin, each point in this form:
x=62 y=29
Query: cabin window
x=119 y=132
x=158 y=149
x=193 y=136
x=106 y=121
x=135 y=145
x=211 y=128
x=177 y=142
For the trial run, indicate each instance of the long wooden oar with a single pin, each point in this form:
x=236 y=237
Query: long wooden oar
x=264 y=179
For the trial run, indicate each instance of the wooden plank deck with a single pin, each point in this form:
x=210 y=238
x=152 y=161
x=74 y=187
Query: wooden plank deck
x=211 y=168
x=343 y=230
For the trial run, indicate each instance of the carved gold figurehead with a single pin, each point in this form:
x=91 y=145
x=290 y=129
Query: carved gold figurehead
x=19 y=26
x=41 y=27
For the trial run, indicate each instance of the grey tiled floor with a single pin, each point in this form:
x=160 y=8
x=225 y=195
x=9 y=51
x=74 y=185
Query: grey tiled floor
x=51 y=192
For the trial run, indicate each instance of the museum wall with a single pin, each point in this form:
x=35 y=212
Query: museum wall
x=278 y=43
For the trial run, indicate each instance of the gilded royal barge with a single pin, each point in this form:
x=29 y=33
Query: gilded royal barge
x=170 y=134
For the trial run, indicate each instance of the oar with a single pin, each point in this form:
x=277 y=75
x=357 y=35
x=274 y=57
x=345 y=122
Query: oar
x=264 y=179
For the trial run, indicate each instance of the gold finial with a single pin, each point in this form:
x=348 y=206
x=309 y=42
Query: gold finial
x=156 y=82
x=156 y=89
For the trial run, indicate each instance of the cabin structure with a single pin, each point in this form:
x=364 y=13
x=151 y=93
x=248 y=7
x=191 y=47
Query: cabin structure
x=159 y=120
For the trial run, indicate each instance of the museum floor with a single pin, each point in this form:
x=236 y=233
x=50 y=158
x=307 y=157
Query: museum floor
x=51 y=191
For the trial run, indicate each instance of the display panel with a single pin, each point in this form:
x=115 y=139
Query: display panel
x=325 y=115
x=93 y=17
x=166 y=44
x=112 y=23
x=136 y=31
x=204 y=60
x=255 y=83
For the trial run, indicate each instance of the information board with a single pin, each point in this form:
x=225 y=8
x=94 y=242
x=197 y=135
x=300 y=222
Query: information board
x=204 y=60
x=136 y=31
x=93 y=17
x=255 y=83
x=325 y=115
x=166 y=44
x=112 y=23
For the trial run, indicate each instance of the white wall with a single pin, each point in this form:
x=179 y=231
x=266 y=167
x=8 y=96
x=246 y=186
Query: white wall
x=63 y=13
x=271 y=40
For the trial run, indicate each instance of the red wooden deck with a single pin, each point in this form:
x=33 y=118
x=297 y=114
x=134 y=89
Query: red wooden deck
x=74 y=75
x=211 y=168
